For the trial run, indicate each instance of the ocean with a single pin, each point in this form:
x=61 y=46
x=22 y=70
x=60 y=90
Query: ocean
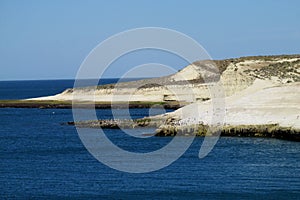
x=41 y=157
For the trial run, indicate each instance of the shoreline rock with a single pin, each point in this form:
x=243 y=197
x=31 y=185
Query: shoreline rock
x=118 y=123
x=165 y=129
x=263 y=131
x=101 y=105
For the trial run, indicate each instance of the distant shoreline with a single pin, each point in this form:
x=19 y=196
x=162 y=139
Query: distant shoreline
x=98 y=105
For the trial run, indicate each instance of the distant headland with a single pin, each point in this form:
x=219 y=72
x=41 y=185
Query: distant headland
x=261 y=95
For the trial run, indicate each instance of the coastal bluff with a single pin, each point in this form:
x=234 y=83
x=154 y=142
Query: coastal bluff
x=261 y=95
x=191 y=84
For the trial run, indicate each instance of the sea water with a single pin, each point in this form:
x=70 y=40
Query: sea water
x=41 y=157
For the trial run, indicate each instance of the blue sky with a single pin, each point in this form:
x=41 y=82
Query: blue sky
x=50 y=39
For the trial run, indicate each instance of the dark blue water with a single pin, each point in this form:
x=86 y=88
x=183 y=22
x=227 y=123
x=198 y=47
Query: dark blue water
x=30 y=89
x=42 y=158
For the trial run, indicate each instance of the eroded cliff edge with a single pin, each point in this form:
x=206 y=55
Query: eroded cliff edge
x=261 y=96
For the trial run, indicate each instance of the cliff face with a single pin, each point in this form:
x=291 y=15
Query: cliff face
x=191 y=84
x=262 y=96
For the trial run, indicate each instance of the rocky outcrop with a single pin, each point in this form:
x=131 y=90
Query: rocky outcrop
x=119 y=123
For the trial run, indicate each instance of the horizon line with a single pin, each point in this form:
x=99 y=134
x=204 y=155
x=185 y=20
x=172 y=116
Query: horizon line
x=66 y=79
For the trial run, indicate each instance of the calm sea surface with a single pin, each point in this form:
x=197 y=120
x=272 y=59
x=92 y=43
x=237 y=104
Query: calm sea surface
x=41 y=158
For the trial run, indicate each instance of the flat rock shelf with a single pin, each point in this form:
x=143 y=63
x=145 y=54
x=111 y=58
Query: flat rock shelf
x=98 y=105
x=165 y=128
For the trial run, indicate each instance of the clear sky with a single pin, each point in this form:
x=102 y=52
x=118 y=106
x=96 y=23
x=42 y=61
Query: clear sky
x=49 y=39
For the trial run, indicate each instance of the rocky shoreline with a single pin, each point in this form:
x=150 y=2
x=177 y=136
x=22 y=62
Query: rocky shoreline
x=261 y=131
x=101 y=105
x=165 y=128
x=117 y=123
